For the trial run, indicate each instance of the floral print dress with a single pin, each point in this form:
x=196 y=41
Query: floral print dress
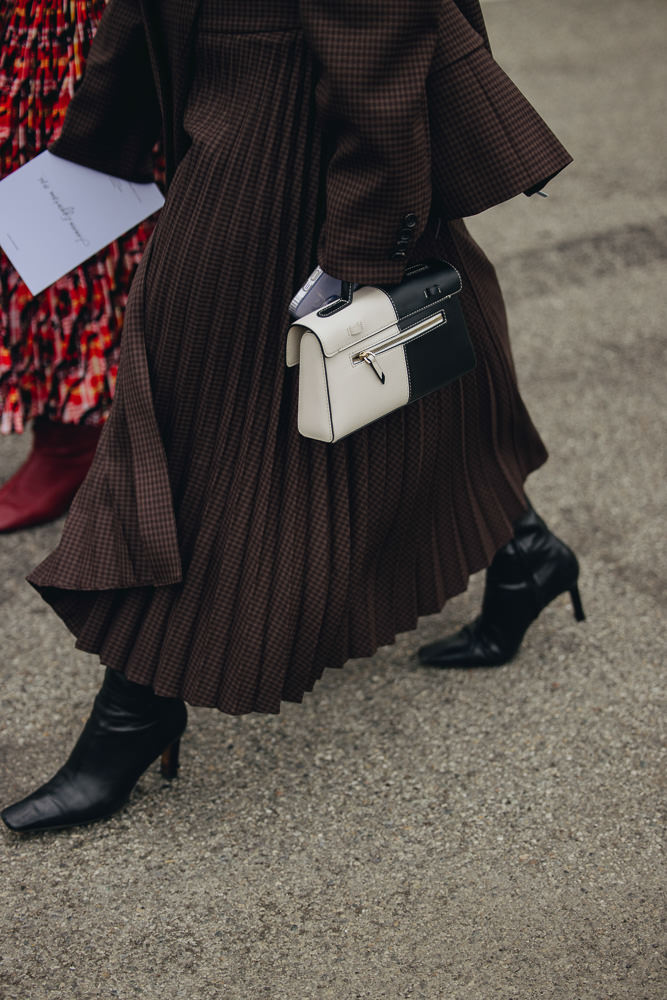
x=59 y=350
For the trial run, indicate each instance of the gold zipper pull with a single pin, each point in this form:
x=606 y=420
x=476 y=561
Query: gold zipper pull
x=371 y=360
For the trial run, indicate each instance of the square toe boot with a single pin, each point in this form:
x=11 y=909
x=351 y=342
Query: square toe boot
x=129 y=727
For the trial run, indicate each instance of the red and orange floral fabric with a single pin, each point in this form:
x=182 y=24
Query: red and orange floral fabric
x=58 y=351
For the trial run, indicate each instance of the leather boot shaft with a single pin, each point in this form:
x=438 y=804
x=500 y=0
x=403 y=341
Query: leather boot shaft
x=65 y=441
x=128 y=728
x=44 y=486
x=526 y=574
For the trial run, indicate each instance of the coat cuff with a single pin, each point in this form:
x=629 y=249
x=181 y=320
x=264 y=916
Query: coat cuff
x=386 y=268
x=363 y=272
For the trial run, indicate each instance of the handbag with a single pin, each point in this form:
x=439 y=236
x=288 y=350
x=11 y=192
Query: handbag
x=378 y=348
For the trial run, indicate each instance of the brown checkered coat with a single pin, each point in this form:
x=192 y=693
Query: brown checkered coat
x=413 y=103
x=212 y=552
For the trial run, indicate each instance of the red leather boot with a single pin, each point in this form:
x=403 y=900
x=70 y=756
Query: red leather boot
x=44 y=486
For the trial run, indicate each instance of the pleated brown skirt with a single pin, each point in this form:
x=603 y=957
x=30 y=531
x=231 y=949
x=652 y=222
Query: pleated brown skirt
x=212 y=552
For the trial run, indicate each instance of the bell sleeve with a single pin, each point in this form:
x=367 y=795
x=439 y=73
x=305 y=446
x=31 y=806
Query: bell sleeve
x=374 y=57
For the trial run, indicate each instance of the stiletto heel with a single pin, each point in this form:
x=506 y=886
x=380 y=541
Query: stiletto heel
x=129 y=727
x=169 y=762
x=526 y=574
x=577 y=606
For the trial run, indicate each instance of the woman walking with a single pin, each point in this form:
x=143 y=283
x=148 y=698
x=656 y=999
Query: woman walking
x=58 y=350
x=214 y=556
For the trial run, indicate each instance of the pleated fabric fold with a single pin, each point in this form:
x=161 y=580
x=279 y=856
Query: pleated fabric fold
x=213 y=552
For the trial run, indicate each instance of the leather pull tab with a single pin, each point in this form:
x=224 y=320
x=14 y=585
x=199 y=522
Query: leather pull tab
x=369 y=358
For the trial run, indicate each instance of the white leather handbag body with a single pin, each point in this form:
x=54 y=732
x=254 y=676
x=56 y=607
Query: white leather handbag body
x=378 y=349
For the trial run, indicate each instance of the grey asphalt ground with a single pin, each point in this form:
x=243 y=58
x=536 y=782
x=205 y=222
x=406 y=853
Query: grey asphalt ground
x=479 y=835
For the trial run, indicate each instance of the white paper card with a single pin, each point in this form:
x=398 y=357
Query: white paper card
x=55 y=214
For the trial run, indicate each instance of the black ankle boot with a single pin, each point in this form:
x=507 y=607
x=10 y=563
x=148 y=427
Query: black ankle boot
x=128 y=728
x=525 y=575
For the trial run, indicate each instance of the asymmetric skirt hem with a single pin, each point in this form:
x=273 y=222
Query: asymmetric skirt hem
x=68 y=605
x=212 y=552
